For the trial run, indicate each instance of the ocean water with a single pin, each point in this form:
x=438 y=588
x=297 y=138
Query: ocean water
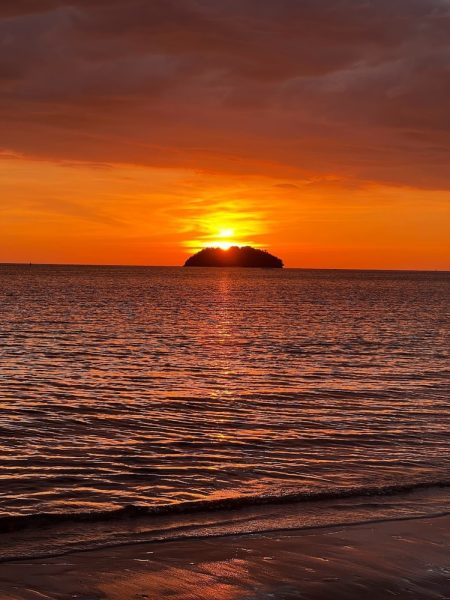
x=145 y=396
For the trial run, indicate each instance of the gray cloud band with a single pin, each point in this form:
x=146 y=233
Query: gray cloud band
x=356 y=88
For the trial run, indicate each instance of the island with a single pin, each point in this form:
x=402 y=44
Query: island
x=244 y=256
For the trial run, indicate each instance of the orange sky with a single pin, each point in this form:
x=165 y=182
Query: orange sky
x=135 y=133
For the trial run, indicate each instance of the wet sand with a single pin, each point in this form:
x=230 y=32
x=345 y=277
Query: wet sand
x=398 y=559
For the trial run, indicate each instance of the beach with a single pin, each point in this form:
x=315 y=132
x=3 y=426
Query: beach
x=400 y=559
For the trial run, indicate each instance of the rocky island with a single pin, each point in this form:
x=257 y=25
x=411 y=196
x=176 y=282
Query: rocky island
x=236 y=256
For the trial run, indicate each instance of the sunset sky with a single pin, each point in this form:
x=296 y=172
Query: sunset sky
x=138 y=131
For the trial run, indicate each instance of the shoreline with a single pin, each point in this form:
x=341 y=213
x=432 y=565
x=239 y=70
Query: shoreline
x=43 y=536
x=405 y=558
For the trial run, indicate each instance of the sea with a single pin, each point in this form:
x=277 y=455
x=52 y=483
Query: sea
x=150 y=403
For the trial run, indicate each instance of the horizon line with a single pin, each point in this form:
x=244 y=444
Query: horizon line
x=136 y=266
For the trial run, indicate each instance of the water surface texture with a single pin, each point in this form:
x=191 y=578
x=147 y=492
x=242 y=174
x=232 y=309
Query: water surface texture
x=155 y=386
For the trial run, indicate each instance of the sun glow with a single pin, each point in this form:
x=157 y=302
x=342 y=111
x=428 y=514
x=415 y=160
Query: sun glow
x=223 y=245
x=226 y=233
x=225 y=241
x=231 y=225
x=223 y=237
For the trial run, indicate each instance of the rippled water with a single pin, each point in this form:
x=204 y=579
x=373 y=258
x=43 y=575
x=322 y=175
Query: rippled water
x=153 y=386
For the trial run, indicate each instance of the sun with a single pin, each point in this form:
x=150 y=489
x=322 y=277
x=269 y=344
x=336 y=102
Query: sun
x=223 y=230
x=225 y=239
x=223 y=245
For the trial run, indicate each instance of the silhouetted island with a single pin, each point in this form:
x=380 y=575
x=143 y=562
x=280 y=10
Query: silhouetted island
x=246 y=256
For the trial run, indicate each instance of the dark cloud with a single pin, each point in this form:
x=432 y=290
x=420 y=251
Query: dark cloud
x=355 y=88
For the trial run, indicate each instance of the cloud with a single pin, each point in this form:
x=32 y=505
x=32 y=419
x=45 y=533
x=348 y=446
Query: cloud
x=352 y=88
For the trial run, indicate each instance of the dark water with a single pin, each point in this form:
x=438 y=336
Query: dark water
x=154 y=387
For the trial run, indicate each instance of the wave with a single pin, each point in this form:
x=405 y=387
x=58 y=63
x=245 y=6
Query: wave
x=46 y=535
x=11 y=523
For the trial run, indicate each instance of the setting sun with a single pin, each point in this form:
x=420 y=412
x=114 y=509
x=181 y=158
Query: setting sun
x=223 y=245
x=226 y=239
x=233 y=222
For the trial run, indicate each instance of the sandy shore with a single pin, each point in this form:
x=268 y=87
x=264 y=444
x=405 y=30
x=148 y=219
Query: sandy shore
x=398 y=559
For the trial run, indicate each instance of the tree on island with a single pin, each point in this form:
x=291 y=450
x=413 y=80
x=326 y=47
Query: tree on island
x=244 y=256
